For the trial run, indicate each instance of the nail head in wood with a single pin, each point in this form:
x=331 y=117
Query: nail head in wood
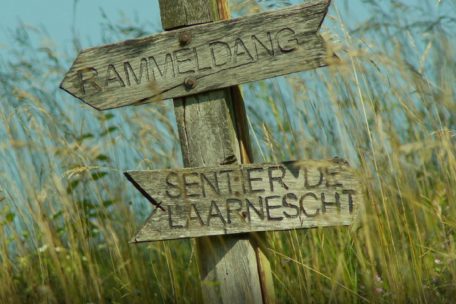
x=185 y=38
x=190 y=83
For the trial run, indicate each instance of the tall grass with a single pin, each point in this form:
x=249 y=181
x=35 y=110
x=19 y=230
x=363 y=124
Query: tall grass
x=388 y=106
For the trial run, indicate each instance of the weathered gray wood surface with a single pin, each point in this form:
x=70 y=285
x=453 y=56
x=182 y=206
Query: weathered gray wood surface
x=231 y=268
x=211 y=56
x=183 y=13
x=234 y=199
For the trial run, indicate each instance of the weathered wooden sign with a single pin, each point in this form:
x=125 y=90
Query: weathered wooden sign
x=200 y=58
x=232 y=199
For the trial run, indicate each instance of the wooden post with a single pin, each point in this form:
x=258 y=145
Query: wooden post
x=213 y=131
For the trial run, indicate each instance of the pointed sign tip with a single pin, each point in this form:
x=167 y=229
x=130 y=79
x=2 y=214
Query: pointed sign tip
x=67 y=86
x=67 y=89
x=133 y=241
x=61 y=84
x=128 y=176
x=139 y=238
x=64 y=87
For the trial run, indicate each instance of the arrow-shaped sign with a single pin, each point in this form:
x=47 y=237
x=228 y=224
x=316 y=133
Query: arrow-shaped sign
x=200 y=58
x=232 y=199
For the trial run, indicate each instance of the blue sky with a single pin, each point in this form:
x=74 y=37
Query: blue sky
x=57 y=16
x=60 y=17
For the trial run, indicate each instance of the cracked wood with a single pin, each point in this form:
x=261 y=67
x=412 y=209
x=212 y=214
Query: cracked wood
x=217 y=55
x=233 y=199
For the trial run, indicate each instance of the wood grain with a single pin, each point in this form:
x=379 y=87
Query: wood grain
x=247 y=198
x=217 y=55
x=182 y=13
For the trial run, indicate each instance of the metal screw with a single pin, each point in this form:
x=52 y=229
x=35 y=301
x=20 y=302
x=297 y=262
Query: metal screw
x=185 y=38
x=190 y=83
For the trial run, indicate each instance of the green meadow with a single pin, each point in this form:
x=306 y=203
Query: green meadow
x=388 y=107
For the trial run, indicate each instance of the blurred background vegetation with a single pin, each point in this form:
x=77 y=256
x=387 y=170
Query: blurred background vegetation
x=67 y=213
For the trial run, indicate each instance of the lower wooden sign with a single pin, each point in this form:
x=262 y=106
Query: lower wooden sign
x=196 y=202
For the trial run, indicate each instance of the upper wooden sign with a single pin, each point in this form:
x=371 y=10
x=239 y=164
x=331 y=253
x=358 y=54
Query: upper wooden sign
x=231 y=199
x=200 y=58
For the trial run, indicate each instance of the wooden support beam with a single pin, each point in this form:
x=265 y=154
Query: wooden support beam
x=212 y=131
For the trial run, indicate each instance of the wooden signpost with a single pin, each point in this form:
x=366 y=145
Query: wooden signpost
x=219 y=199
